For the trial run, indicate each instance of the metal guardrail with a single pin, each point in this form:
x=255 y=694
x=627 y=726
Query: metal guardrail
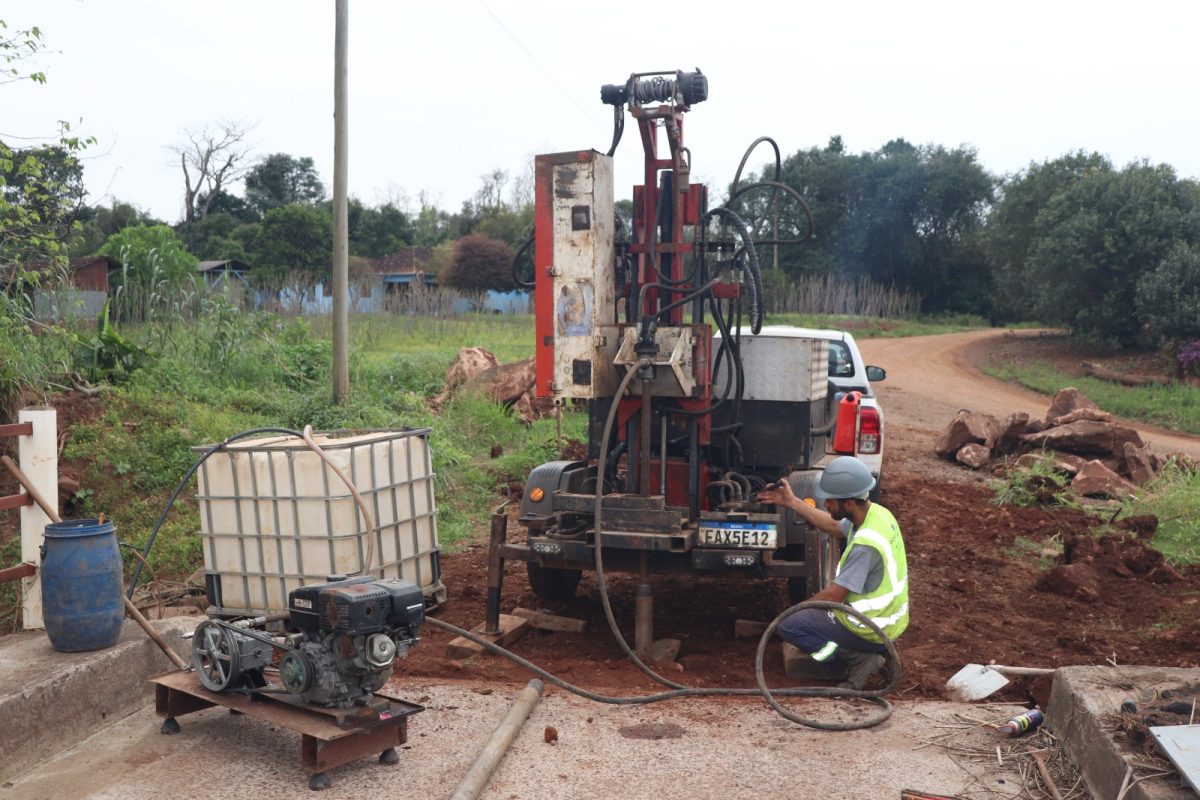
x=20 y=500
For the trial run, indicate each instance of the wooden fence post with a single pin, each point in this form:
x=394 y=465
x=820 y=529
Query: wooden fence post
x=39 y=462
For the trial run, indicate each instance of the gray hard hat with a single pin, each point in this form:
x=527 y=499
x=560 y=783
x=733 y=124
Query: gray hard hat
x=846 y=477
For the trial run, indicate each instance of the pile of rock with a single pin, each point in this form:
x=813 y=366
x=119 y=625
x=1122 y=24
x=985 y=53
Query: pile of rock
x=475 y=369
x=1103 y=457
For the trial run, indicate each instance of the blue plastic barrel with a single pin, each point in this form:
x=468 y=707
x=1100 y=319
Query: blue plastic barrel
x=82 y=583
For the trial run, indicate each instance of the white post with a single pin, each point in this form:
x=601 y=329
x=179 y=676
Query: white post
x=39 y=462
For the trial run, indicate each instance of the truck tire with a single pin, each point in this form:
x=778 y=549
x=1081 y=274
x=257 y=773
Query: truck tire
x=875 y=490
x=552 y=583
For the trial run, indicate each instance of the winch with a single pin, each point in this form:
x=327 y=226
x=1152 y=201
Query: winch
x=348 y=634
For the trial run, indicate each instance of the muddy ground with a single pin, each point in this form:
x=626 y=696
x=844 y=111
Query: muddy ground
x=981 y=587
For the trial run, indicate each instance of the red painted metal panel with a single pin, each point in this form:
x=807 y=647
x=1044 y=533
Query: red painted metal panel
x=15 y=501
x=19 y=571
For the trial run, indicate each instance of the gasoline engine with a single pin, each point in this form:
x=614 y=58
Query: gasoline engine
x=348 y=634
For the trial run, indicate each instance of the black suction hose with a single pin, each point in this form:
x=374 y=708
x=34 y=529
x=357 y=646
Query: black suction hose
x=137 y=572
x=754 y=270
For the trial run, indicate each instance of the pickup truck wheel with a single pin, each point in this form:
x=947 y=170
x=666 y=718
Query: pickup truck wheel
x=874 y=495
x=552 y=583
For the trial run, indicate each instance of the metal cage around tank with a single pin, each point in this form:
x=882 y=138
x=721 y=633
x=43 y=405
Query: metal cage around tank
x=274 y=516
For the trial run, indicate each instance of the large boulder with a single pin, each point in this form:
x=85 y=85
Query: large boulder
x=1085 y=438
x=973 y=455
x=1096 y=480
x=967 y=427
x=469 y=362
x=1080 y=414
x=504 y=383
x=1138 y=464
x=1008 y=435
x=1063 y=462
x=1067 y=400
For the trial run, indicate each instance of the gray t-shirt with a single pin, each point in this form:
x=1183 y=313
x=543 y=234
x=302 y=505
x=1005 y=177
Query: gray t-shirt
x=863 y=570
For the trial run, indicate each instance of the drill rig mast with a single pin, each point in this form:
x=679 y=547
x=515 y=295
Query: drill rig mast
x=625 y=323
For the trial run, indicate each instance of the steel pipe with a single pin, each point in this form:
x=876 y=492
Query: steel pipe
x=493 y=751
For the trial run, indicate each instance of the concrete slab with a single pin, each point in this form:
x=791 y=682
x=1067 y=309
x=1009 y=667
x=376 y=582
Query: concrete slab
x=1084 y=706
x=50 y=701
x=735 y=750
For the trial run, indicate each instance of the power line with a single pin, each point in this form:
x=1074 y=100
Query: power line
x=547 y=72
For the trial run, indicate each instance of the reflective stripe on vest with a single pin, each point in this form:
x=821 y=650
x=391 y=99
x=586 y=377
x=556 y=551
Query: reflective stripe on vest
x=887 y=605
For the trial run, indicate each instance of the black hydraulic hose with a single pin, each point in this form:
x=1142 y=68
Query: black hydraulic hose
x=137 y=572
x=618 y=127
x=737 y=176
x=779 y=186
x=754 y=270
x=517 y=259
x=686 y=299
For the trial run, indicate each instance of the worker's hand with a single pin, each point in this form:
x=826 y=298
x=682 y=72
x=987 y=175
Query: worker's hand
x=779 y=494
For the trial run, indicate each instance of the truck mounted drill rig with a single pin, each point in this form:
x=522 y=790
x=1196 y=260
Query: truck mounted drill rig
x=653 y=324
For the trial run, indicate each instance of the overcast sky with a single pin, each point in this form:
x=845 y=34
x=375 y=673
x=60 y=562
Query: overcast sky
x=444 y=91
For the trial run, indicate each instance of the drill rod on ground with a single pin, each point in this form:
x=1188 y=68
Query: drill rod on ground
x=474 y=782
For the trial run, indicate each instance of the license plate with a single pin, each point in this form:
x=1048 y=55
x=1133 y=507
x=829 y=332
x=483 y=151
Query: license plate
x=756 y=535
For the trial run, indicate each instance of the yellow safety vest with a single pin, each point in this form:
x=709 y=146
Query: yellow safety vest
x=887 y=605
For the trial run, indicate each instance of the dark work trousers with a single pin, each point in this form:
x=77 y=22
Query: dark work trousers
x=817 y=632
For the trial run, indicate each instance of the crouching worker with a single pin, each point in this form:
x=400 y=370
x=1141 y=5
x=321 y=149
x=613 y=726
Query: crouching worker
x=872 y=576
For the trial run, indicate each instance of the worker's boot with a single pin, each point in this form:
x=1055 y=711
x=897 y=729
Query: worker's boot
x=861 y=667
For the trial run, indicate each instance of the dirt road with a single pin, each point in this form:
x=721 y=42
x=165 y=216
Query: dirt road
x=932 y=377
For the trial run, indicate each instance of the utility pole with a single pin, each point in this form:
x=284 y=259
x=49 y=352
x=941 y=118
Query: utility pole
x=341 y=234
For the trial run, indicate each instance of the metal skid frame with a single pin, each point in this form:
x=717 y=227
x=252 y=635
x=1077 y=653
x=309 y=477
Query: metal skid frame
x=329 y=737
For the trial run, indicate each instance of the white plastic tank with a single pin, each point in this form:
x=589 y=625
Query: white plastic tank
x=274 y=516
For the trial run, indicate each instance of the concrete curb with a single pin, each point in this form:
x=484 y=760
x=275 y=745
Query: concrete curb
x=51 y=701
x=1082 y=702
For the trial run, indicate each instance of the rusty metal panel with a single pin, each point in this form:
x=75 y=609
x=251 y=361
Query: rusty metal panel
x=17 y=429
x=582 y=298
x=19 y=571
x=317 y=755
x=15 y=501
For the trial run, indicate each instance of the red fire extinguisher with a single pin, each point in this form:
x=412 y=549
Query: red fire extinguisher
x=847 y=424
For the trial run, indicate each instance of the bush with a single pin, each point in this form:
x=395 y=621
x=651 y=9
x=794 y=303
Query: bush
x=480 y=264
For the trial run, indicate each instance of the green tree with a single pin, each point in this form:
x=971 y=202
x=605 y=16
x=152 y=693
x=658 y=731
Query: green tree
x=294 y=238
x=150 y=252
x=1096 y=239
x=213 y=237
x=904 y=215
x=41 y=199
x=100 y=222
x=281 y=180
x=377 y=232
x=1012 y=229
x=479 y=264
x=1168 y=297
x=432 y=225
